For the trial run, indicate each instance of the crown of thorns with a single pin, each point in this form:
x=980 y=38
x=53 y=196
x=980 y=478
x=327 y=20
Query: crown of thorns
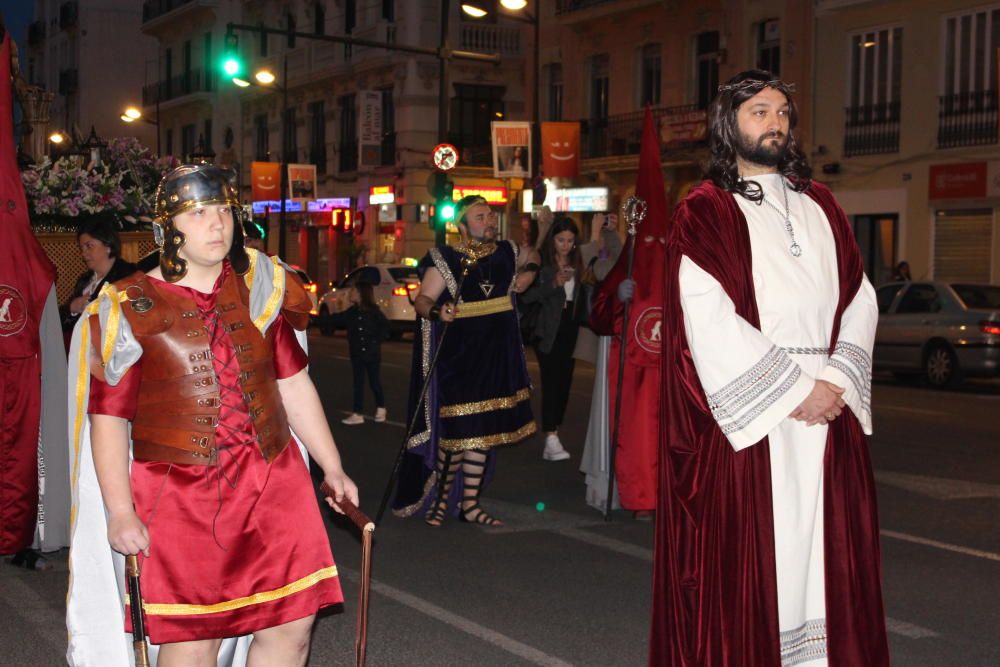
x=757 y=85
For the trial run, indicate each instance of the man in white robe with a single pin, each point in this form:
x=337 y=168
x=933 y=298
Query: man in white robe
x=767 y=544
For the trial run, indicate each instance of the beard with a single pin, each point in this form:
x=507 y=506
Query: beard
x=764 y=151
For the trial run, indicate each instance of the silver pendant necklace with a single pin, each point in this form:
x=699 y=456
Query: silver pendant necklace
x=794 y=248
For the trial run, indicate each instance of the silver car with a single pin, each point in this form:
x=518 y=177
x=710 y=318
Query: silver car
x=943 y=331
x=395 y=287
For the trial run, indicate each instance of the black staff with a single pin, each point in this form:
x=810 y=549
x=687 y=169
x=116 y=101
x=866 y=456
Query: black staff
x=634 y=210
x=467 y=264
x=139 y=646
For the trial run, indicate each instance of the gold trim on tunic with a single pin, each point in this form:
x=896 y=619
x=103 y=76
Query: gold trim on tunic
x=486 y=441
x=502 y=403
x=161 y=609
x=500 y=304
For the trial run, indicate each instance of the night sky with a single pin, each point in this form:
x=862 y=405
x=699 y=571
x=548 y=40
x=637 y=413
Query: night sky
x=17 y=16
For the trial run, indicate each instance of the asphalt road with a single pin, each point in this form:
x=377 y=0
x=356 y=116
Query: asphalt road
x=561 y=586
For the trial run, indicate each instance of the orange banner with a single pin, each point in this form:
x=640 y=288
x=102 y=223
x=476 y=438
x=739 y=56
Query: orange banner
x=265 y=178
x=561 y=150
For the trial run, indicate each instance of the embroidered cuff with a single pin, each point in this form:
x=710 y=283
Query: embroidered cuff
x=758 y=400
x=850 y=367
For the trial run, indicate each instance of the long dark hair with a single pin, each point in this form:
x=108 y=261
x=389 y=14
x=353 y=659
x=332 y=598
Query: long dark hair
x=725 y=136
x=366 y=297
x=549 y=254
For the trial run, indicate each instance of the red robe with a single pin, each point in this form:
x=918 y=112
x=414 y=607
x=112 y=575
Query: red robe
x=26 y=277
x=715 y=597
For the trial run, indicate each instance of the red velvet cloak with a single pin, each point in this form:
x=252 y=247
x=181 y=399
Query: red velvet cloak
x=714 y=581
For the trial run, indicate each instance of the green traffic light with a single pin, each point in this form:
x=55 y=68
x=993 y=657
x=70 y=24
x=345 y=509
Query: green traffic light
x=231 y=66
x=447 y=211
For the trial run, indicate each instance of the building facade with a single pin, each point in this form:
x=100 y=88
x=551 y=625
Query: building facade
x=906 y=131
x=669 y=55
x=92 y=56
x=322 y=96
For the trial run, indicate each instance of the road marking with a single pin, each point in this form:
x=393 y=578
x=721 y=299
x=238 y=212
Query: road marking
x=502 y=641
x=988 y=555
x=910 y=630
x=938 y=488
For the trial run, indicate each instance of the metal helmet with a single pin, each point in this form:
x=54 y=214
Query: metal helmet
x=185 y=188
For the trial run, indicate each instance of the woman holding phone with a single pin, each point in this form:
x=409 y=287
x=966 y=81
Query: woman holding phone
x=555 y=332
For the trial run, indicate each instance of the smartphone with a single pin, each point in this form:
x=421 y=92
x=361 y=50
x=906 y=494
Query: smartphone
x=611 y=221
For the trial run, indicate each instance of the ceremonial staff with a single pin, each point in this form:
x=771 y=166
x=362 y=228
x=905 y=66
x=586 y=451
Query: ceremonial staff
x=634 y=210
x=139 y=646
x=468 y=261
x=367 y=527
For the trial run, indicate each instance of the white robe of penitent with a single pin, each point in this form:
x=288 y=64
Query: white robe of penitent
x=753 y=379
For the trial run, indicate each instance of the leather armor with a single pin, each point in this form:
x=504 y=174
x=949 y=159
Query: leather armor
x=178 y=401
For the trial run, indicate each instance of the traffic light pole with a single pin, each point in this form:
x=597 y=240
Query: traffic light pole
x=441 y=229
x=443 y=53
x=283 y=193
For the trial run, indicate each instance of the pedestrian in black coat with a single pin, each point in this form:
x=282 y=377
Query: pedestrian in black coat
x=366 y=327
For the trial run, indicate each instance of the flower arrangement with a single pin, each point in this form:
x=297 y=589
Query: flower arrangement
x=122 y=186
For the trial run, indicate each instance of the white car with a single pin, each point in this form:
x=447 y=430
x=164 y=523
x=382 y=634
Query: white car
x=395 y=287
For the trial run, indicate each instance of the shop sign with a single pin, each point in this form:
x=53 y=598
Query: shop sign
x=328 y=204
x=569 y=200
x=291 y=206
x=381 y=194
x=965 y=180
x=492 y=195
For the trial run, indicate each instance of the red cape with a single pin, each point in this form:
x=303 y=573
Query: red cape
x=714 y=582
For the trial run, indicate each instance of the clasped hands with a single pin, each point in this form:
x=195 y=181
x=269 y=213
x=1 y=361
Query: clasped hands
x=821 y=406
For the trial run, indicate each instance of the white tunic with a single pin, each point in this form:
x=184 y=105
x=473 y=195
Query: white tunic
x=754 y=379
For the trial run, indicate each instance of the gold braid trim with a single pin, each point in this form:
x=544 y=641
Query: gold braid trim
x=410 y=510
x=500 y=304
x=502 y=403
x=160 y=609
x=486 y=441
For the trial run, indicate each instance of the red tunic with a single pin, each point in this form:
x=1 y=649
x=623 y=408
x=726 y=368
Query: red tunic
x=234 y=547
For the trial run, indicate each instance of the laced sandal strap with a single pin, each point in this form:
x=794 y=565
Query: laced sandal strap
x=479 y=516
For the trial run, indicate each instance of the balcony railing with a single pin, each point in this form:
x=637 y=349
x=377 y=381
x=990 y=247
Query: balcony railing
x=153 y=9
x=967 y=119
x=471 y=153
x=192 y=81
x=681 y=127
x=503 y=40
x=872 y=128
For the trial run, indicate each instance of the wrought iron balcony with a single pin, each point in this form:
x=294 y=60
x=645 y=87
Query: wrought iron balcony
x=153 y=9
x=681 y=127
x=872 y=128
x=967 y=119
x=190 y=82
x=484 y=38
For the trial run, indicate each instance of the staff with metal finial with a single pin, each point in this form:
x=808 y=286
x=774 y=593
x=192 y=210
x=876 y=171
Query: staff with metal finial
x=467 y=263
x=634 y=210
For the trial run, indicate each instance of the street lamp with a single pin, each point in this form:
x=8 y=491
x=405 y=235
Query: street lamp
x=478 y=9
x=132 y=113
x=57 y=138
x=265 y=78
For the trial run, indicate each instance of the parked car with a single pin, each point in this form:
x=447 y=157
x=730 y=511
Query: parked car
x=943 y=331
x=310 y=289
x=395 y=287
